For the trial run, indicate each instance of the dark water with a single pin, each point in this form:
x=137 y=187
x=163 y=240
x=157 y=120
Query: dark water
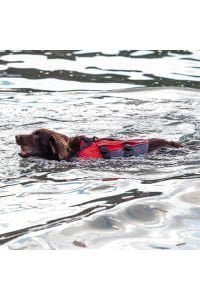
x=149 y=202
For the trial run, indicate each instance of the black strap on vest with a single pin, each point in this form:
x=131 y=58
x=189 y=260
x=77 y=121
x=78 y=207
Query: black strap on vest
x=87 y=142
x=105 y=152
x=128 y=150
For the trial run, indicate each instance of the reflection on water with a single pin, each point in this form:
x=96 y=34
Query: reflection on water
x=148 y=202
x=75 y=70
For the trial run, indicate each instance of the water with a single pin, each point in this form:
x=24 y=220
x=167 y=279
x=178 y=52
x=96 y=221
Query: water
x=149 y=202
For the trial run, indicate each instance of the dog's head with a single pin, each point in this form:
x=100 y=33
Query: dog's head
x=44 y=143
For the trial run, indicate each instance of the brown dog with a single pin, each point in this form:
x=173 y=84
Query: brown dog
x=52 y=145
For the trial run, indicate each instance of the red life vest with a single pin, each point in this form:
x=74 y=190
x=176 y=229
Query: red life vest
x=110 y=148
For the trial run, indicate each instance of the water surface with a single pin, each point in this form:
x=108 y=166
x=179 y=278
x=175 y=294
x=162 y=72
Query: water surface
x=148 y=202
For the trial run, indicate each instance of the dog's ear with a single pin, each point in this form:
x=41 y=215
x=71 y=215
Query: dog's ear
x=59 y=147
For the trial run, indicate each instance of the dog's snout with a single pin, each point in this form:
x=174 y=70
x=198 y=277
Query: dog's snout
x=18 y=139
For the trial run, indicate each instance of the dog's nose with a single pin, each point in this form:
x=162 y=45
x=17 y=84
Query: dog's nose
x=18 y=139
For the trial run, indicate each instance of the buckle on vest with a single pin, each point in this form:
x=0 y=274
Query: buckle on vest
x=105 y=152
x=128 y=150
